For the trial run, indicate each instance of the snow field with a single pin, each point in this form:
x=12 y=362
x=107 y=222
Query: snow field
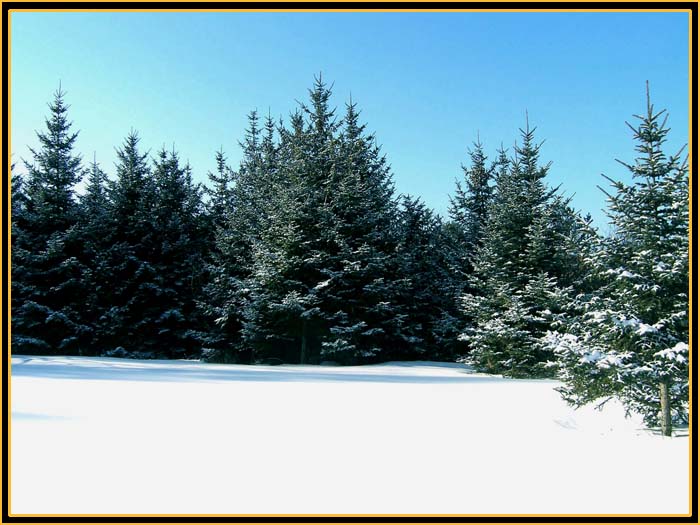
x=102 y=436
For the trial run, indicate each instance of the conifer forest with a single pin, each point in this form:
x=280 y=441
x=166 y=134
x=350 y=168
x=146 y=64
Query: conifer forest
x=304 y=253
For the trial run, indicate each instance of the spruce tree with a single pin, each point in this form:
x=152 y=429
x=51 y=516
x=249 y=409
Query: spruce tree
x=46 y=271
x=291 y=254
x=516 y=294
x=357 y=294
x=129 y=254
x=95 y=232
x=245 y=198
x=220 y=193
x=217 y=338
x=323 y=261
x=178 y=244
x=426 y=306
x=469 y=207
x=464 y=234
x=631 y=338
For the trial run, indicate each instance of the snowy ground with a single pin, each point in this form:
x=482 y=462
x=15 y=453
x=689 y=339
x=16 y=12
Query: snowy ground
x=104 y=435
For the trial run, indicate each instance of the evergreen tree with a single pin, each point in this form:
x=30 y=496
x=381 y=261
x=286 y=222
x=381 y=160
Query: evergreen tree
x=356 y=296
x=216 y=286
x=46 y=272
x=18 y=200
x=128 y=256
x=95 y=233
x=155 y=257
x=631 y=338
x=463 y=236
x=427 y=308
x=322 y=264
x=292 y=252
x=221 y=194
x=469 y=206
x=516 y=294
x=245 y=197
x=179 y=244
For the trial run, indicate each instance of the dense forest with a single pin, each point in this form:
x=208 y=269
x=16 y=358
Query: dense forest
x=304 y=253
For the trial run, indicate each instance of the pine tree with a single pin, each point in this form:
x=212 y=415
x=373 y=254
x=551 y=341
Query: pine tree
x=292 y=252
x=320 y=287
x=357 y=293
x=631 y=338
x=469 y=206
x=247 y=202
x=464 y=234
x=179 y=244
x=46 y=272
x=516 y=294
x=95 y=233
x=221 y=193
x=427 y=308
x=132 y=202
x=216 y=286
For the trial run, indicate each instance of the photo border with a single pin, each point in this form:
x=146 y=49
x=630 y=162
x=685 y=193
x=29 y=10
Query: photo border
x=323 y=6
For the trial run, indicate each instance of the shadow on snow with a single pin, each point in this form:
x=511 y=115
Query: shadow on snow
x=188 y=371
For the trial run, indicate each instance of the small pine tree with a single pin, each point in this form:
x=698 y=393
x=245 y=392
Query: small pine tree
x=469 y=207
x=221 y=193
x=179 y=243
x=630 y=340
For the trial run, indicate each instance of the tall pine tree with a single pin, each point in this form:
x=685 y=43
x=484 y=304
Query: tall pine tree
x=631 y=338
x=46 y=270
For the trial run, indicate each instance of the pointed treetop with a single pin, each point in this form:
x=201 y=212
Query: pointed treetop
x=649 y=106
x=527 y=121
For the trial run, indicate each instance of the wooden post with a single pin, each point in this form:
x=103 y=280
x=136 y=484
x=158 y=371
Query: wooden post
x=665 y=414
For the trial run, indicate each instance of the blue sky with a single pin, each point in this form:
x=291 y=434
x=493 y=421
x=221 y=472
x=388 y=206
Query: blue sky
x=426 y=84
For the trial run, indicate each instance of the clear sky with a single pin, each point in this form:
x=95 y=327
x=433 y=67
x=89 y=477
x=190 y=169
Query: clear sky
x=427 y=83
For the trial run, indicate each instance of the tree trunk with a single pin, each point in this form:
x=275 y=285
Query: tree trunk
x=302 y=360
x=665 y=414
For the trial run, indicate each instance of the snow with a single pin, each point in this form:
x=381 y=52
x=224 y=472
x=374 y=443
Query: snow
x=99 y=435
x=624 y=274
x=644 y=328
x=322 y=284
x=676 y=353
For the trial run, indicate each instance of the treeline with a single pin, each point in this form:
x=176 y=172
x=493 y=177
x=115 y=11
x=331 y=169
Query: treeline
x=304 y=253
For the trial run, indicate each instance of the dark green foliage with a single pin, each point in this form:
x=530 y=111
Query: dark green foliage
x=127 y=254
x=321 y=238
x=630 y=339
x=522 y=270
x=155 y=259
x=95 y=231
x=46 y=271
x=469 y=207
x=179 y=243
x=239 y=206
x=428 y=311
x=220 y=193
